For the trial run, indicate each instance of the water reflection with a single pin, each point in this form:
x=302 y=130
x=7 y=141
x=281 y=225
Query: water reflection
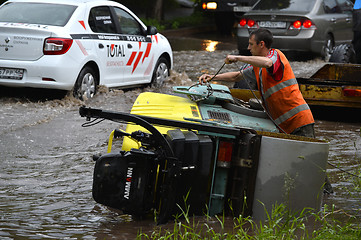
x=210 y=46
x=187 y=44
x=202 y=41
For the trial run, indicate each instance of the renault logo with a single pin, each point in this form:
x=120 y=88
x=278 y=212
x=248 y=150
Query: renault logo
x=7 y=40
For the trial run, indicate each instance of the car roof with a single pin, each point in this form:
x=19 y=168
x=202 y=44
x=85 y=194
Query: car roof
x=75 y=2
x=80 y=2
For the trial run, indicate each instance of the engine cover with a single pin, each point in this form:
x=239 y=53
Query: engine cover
x=125 y=180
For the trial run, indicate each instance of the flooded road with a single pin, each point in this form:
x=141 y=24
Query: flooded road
x=46 y=162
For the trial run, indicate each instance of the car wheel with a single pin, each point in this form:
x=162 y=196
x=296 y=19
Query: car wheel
x=343 y=53
x=161 y=72
x=357 y=45
x=328 y=47
x=86 y=85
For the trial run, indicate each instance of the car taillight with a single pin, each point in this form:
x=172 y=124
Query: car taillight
x=224 y=154
x=243 y=22
x=307 y=24
x=297 y=24
x=249 y=22
x=57 y=46
x=304 y=24
x=348 y=92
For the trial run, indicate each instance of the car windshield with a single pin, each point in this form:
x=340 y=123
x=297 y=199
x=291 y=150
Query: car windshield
x=285 y=5
x=36 y=13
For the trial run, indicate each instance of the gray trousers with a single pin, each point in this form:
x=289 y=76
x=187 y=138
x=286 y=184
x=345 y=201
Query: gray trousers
x=305 y=131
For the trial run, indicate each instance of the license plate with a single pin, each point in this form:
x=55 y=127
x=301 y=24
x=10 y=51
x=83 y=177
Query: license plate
x=241 y=9
x=11 y=73
x=269 y=24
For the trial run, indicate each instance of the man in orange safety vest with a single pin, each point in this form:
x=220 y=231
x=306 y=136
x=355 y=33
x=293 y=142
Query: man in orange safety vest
x=269 y=70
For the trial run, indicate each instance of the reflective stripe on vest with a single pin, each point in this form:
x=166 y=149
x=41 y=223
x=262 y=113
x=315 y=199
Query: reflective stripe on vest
x=291 y=113
x=279 y=86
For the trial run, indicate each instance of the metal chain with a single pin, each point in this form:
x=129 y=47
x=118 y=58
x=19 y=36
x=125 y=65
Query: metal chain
x=209 y=87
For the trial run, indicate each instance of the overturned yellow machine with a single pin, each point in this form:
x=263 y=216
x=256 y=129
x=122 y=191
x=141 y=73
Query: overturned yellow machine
x=203 y=149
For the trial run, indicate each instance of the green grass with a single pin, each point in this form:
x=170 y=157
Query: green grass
x=279 y=224
x=196 y=19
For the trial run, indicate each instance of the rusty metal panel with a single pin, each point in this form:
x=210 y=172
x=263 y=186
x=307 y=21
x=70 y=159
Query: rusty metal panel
x=319 y=95
x=326 y=95
x=341 y=72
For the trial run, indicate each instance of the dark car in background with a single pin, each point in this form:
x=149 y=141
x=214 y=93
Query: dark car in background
x=226 y=11
x=313 y=26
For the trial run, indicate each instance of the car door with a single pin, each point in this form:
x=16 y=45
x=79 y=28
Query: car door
x=339 y=21
x=108 y=45
x=138 y=65
x=346 y=19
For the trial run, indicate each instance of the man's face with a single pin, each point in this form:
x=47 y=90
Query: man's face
x=253 y=47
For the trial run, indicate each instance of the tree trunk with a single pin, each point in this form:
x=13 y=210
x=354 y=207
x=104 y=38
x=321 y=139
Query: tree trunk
x=155 y=10
x=158 y=10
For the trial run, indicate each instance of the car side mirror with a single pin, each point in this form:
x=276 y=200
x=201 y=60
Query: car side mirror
x=151 y=30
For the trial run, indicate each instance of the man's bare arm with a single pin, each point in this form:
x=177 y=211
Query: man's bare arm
x=228 y=77
x=257 y=61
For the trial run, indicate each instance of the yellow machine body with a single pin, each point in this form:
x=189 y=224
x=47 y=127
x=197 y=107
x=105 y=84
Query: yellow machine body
x=160 y=106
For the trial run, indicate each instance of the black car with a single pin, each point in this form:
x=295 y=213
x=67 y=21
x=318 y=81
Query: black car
x=227 y=11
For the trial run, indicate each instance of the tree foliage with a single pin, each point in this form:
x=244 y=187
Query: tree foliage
x=149 y=8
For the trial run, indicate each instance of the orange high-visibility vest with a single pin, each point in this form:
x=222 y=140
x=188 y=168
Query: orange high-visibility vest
x=283 y=99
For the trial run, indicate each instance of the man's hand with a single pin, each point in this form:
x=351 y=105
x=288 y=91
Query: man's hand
x=205 y=78
x=230 y=59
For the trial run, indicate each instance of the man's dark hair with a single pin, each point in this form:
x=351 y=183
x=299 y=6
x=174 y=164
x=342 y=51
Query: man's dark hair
x=262 y=34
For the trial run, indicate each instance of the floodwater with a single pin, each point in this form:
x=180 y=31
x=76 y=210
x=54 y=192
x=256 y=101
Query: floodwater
x=46 y=157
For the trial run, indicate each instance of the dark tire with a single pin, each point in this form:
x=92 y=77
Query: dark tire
x=86 y=84
x=343 y=53
x=328 y=47
x=161 y=72
x=357 y=45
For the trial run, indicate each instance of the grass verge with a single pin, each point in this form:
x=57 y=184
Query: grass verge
x=279 y=224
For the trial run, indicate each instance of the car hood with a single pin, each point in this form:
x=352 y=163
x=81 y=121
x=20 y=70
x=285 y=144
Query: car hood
x=20 y=41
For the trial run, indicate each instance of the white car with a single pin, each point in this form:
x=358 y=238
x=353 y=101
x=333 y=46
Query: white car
x=78 y=45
